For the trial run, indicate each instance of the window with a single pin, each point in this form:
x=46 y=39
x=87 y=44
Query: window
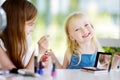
x=104 y=14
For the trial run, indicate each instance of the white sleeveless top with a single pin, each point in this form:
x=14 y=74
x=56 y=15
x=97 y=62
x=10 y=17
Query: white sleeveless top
x=26 y=58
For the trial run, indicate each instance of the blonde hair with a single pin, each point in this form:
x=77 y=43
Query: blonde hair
x=73 y=45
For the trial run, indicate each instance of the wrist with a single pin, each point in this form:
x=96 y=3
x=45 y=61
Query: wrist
x=41 y=50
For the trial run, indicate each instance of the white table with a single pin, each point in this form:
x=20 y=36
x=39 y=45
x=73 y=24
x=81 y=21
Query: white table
x=80 y=75
x=66 y=74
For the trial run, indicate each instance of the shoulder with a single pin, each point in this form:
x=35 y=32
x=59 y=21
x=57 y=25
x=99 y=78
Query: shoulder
x=66 y=60
x=68 y=53
x=2 y=45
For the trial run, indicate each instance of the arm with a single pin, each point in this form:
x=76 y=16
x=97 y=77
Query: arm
x=54 y=58
x=42 y=48
x=66 y=59
x=30 y=65
x=116 y=61
x=5 y=62
x=43 y=44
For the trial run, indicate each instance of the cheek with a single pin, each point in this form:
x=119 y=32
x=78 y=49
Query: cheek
x=91 y=29
x=31 y=29
x=77 y=36
x=27 y=30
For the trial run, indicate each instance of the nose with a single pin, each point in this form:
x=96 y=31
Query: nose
x=83 y=30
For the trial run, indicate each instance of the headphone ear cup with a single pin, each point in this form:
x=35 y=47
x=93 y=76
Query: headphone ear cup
x=3 y=20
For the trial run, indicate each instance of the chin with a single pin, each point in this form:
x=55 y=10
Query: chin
x=87 y=39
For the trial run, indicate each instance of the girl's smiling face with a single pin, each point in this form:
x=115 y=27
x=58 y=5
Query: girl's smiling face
x=80 y=29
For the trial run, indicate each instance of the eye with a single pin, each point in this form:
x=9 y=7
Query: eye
x=86 y=25
x=76 y=29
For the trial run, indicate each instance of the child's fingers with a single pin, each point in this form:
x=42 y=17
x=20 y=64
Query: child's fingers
x=43 y=43
x=44 y=58
x=49 y=52
x=44 y=38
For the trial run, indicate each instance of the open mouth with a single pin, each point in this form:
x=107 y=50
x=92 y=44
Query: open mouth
x=86 y=35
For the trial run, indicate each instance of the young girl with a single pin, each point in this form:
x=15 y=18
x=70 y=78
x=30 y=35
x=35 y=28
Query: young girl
x=15 y=41
x=82 y=44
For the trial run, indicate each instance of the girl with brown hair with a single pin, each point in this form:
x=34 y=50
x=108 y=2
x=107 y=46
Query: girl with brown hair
x=15 y=42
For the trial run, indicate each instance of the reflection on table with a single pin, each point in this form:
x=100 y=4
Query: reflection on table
x=65 y=74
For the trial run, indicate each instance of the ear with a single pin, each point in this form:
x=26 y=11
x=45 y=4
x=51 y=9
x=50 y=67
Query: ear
x=71 y=38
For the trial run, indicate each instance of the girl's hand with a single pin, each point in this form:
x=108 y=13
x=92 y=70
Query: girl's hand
x=43 y=44
x=45 y=59
x=51 y=54
x=54 y=59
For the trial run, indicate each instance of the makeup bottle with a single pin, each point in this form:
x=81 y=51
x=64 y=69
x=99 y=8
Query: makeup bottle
x=53 y=72
x=35 y=64
x=40 y=70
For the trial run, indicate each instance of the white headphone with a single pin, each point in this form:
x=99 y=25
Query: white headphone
x=3 y=20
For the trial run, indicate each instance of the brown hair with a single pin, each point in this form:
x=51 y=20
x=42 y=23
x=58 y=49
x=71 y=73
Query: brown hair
x=14 y=36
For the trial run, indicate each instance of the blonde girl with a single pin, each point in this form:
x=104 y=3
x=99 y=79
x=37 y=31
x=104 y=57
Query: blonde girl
x=82 y=43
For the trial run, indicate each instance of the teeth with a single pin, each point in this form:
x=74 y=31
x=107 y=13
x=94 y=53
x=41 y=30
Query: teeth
x=86 y=35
